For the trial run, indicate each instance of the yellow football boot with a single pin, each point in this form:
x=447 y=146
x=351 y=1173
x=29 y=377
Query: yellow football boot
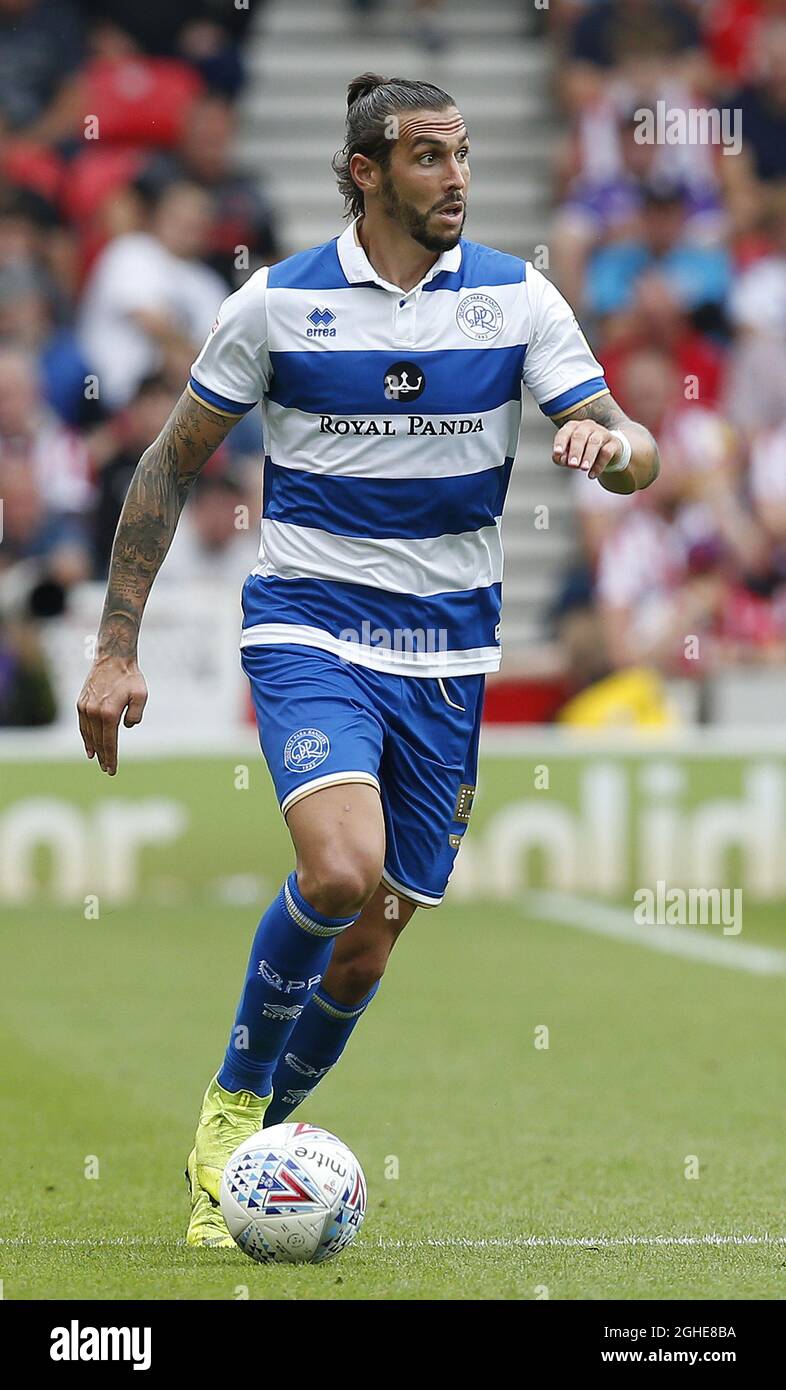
x=226 y=1119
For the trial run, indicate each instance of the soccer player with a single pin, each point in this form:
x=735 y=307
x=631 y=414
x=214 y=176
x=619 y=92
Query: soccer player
x=389 y=364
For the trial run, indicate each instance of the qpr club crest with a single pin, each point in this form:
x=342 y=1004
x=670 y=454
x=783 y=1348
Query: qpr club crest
x=306 y=749
x=479 y=316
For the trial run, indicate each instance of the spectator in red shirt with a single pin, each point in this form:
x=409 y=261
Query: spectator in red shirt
x=243 y=219
x=658 y=321
x=759 y=170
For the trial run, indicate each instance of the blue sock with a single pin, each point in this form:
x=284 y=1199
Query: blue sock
x=291 y=951
x=315 y=1046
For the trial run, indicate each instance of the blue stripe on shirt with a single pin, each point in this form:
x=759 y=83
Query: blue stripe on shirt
x=319 y=268
x=567 y=399
x=466 y=381
x=376 y=508
x=468 y=617
x=316 y=269
x=219 y=402
x=480 y=265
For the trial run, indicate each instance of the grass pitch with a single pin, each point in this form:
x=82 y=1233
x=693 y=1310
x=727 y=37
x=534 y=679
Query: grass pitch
x=496 y=1169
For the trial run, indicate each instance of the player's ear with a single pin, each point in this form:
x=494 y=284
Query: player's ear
x=364 y=172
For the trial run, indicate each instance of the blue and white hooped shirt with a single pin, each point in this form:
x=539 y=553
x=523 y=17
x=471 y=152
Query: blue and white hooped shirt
x=390 y=421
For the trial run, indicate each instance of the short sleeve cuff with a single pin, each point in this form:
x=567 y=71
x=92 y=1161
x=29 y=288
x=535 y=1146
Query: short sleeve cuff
x=222 y=405
x=577 y=395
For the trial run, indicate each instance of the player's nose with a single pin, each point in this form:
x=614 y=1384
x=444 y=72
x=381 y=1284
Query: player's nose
x=457 y=176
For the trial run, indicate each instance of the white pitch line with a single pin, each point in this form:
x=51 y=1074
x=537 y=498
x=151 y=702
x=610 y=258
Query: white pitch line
x=88 y=1241
x=581 y=1242
x=448 y=1242
x=587 y=914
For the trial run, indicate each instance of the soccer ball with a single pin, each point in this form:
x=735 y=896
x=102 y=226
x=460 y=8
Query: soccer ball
x=293 y=1194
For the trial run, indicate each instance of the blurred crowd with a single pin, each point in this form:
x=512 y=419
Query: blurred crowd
x=123 y=224
x=672 y=250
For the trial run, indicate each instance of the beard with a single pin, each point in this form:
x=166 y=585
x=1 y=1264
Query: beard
x=415 y=222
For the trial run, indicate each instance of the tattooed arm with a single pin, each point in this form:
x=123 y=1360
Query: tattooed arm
x=164 y=477
x=583 y=441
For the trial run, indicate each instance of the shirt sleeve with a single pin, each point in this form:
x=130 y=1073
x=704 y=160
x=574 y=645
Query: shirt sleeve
x=233 y=370
x=559 y=367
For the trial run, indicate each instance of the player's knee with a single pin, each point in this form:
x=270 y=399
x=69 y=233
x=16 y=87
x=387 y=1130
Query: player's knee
x=357 y=976
x=339 y=887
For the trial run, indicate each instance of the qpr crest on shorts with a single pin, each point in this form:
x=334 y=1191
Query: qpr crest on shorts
x=479 y=316
x=306 y=749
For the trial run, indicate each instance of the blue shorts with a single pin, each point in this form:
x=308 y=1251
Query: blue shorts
x=323 y=721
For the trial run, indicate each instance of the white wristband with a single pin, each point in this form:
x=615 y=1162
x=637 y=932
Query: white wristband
x=626 y=453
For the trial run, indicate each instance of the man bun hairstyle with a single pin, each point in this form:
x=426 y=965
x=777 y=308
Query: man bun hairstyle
x=371 y=102
x=362 y=85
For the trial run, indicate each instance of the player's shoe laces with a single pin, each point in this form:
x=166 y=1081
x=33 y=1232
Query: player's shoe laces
x=226 y=1118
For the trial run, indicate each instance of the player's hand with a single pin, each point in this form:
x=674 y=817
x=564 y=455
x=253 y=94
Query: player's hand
x=114 y=686
x=585 y=445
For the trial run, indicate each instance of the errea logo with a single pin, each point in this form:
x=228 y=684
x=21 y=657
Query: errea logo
x=321 y=321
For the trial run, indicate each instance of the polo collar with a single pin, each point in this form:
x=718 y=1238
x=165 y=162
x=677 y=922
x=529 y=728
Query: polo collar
x=358 y=269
